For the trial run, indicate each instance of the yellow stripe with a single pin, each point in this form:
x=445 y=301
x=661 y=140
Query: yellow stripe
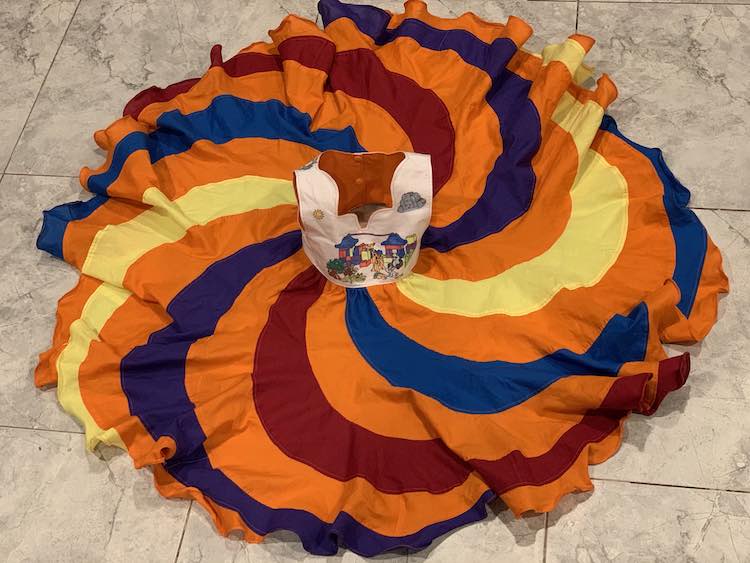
x=569 y=52
x=570 y=55
x=98 y=309
x=587 y=248
x=116 y=247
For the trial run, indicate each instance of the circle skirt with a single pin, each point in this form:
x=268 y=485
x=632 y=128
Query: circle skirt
x=559 y=257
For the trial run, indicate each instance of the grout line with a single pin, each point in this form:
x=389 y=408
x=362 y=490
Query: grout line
x=41 y=87
x=690 y=487
x=731 y=227
x=544 y=546
x=578 y=11
x=718 y=208
x=12 y=427
x=184 y=527
x=42 y=175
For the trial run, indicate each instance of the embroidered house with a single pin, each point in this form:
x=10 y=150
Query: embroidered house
x=386 y=260
x=363 y=252
x=394 y=246
x=411 y=244
x=348 y=250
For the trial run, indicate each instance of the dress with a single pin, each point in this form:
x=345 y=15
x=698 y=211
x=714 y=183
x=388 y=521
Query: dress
x=363 y=216
x=559 y=257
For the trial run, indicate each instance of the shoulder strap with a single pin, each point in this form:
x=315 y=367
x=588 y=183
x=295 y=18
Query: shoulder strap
x=315 y=190
x=412 y=181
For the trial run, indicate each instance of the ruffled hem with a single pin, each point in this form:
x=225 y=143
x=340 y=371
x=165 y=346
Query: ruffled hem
x=525 y=484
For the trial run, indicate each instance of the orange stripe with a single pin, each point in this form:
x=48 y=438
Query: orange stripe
x=157 y=284
x=99 y=377
x=645 y=264
x=153 y=277
x=366 y=398
x=703 y=315
x=204 y=164
x=218 y=381
x=174 y=174
x=69 y=308
x=477 y=140
x=225 y=520
x=576 y=478
x=555 y=166
x=106 y=139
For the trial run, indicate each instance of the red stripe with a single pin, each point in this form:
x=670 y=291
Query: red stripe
x=673 y=374
x=301 y=422
x=154 y=94
x=359 y=73
x=625 y=395
x=242 y=64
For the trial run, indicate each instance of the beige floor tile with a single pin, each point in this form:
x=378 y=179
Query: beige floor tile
x=701 y=434
x=31 y=282
x=675 y=1
x=683 y=73
x=499 y=537
x=552 y=21
x=113 y=50
x=58 y=503
x=627 y=522
x=30 y=32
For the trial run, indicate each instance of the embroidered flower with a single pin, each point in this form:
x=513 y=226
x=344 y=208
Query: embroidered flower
x=318 y=214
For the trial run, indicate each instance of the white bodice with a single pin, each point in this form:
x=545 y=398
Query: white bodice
x=382 y=251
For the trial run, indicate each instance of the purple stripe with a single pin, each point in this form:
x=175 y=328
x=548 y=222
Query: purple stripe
x=153 y=374
x=153 y=379
x=510 y=184
x=317 y=537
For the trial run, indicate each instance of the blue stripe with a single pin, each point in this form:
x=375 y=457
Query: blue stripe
x=485 y=387
x=227 y=118
x=690 y=237
x=56 y=220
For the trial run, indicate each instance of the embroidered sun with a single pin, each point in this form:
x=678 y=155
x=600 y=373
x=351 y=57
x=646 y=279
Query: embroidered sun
x=318 y=214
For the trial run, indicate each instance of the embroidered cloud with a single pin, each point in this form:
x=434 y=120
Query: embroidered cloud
x=409 y=201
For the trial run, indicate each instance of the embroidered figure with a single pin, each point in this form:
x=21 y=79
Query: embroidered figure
x=409 y=201
x=378 y=267
x=386 y=261
x=318 y=214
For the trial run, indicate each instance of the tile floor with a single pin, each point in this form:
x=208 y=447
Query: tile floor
x=680 y=488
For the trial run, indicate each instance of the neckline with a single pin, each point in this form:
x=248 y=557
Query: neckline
x=382 y=210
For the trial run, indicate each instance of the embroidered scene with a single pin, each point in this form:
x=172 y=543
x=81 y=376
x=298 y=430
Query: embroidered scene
x=359 y=261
